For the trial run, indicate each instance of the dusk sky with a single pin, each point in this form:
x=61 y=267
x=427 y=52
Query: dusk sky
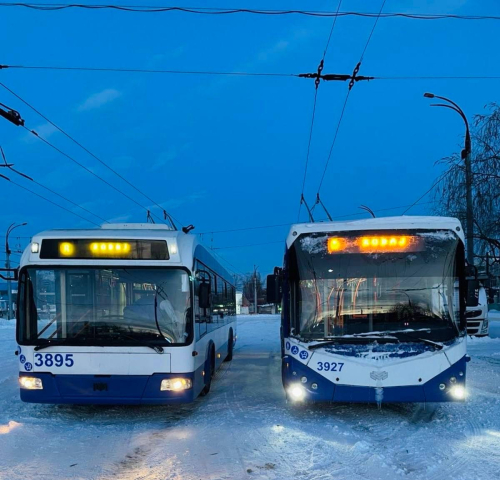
x=229 y=152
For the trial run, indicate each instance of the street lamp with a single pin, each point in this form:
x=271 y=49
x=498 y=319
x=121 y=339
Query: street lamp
x=466 y=156
x=8 y=251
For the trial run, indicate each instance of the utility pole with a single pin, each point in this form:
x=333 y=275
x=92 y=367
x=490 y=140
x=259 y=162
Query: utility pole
x=7 y=265
x=255 y=289
x=466 y=157
x=466 y=152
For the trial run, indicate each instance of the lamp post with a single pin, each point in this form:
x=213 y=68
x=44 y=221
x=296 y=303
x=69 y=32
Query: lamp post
x=7 y=264
x=466 y=156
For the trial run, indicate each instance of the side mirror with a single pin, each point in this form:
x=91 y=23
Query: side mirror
x=470 y=272
x=273 y=289
x=473 y=293
x=204 y=295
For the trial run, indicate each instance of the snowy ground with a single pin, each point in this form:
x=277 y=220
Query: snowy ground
x=245 y=430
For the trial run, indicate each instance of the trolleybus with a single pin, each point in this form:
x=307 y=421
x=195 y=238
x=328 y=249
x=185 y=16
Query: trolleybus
x=373 y=311
x=125 y=314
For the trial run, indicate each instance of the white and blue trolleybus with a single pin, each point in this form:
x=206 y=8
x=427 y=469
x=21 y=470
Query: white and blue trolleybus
x=373 y=311
x=124 y=314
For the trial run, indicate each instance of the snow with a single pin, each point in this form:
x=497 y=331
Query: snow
x=244 y=429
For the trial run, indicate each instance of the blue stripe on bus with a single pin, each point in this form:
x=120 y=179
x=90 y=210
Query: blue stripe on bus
x=119 y=389
x=328 y=391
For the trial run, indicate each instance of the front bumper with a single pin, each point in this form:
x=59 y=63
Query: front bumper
x=107 y=389
x=328 y=391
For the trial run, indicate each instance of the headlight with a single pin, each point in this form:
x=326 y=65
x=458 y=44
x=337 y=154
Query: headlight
x=31 y=383
x=175 y=384
x=458 y=392
x=297 y=392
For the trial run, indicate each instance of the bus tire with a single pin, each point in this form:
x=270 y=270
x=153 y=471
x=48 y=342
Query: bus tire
x=210 y=371
x=230 y=346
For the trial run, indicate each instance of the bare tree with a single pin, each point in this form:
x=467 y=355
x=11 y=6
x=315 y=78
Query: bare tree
x=485 y=161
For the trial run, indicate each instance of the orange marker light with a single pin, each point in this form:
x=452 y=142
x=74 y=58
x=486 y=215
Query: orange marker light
x=336 y=244
x=385 y=244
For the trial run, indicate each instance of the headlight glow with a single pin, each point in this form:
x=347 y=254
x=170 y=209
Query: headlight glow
x=297 y=392
x=31 y=383
x=35 y=247
x=175 y=384
x=458 y=392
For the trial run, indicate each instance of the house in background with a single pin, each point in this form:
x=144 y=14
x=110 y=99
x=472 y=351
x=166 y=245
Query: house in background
x=242 y=304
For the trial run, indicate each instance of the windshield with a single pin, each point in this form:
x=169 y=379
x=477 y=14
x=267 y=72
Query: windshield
x=105 y=306
x=338 y=289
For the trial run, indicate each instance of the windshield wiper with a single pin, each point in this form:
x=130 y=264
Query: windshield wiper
x=51 y=344
x=156 y=348
x=411 y=338
x=351 y=339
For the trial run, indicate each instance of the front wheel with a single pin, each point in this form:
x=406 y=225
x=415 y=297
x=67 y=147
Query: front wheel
x=210 y=371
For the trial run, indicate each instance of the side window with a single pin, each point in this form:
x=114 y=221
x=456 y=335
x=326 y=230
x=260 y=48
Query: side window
x=220 y=300
x=201 y=315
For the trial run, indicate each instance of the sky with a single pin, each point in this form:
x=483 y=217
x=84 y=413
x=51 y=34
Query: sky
x=226 y=153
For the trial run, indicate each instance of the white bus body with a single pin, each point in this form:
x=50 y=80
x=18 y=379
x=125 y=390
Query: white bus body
x=374 y=311
x=112 y=316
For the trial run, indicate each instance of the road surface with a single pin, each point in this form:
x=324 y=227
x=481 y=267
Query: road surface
x=245 y=430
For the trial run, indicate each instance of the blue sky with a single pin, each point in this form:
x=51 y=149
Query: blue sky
x=226 y=152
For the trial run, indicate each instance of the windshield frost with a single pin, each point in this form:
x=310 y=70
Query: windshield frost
x=357 y=293
x=105 y=306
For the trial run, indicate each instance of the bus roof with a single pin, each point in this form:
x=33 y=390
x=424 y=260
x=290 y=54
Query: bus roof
x=187 y=246
x=383 y=223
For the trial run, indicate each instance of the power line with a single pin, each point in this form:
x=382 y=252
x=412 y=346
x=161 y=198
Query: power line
x=259 y=227
x=87 y=151
x=440 y=178
x=351 y=84
x=87 y=170
x=142 y=70
x=372 y=30
x=442 y=77
x=311 y=128
x=248 y=245
x=334 y=139
x=53 y=203
x=332 y=29
x=9 y=167
x=229 y=11
x=241 y=74
x=235 y=270
x=245 y=228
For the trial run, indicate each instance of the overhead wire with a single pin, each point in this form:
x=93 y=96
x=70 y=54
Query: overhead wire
x=258 y=227
x=90 y=153
x=248 y=245
x=149 y=70
x=238 y=73
x=53 y=203
x=217 y=11
x=47 y=188
x=347 y=98
x=439 y=180
x=311 y=128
